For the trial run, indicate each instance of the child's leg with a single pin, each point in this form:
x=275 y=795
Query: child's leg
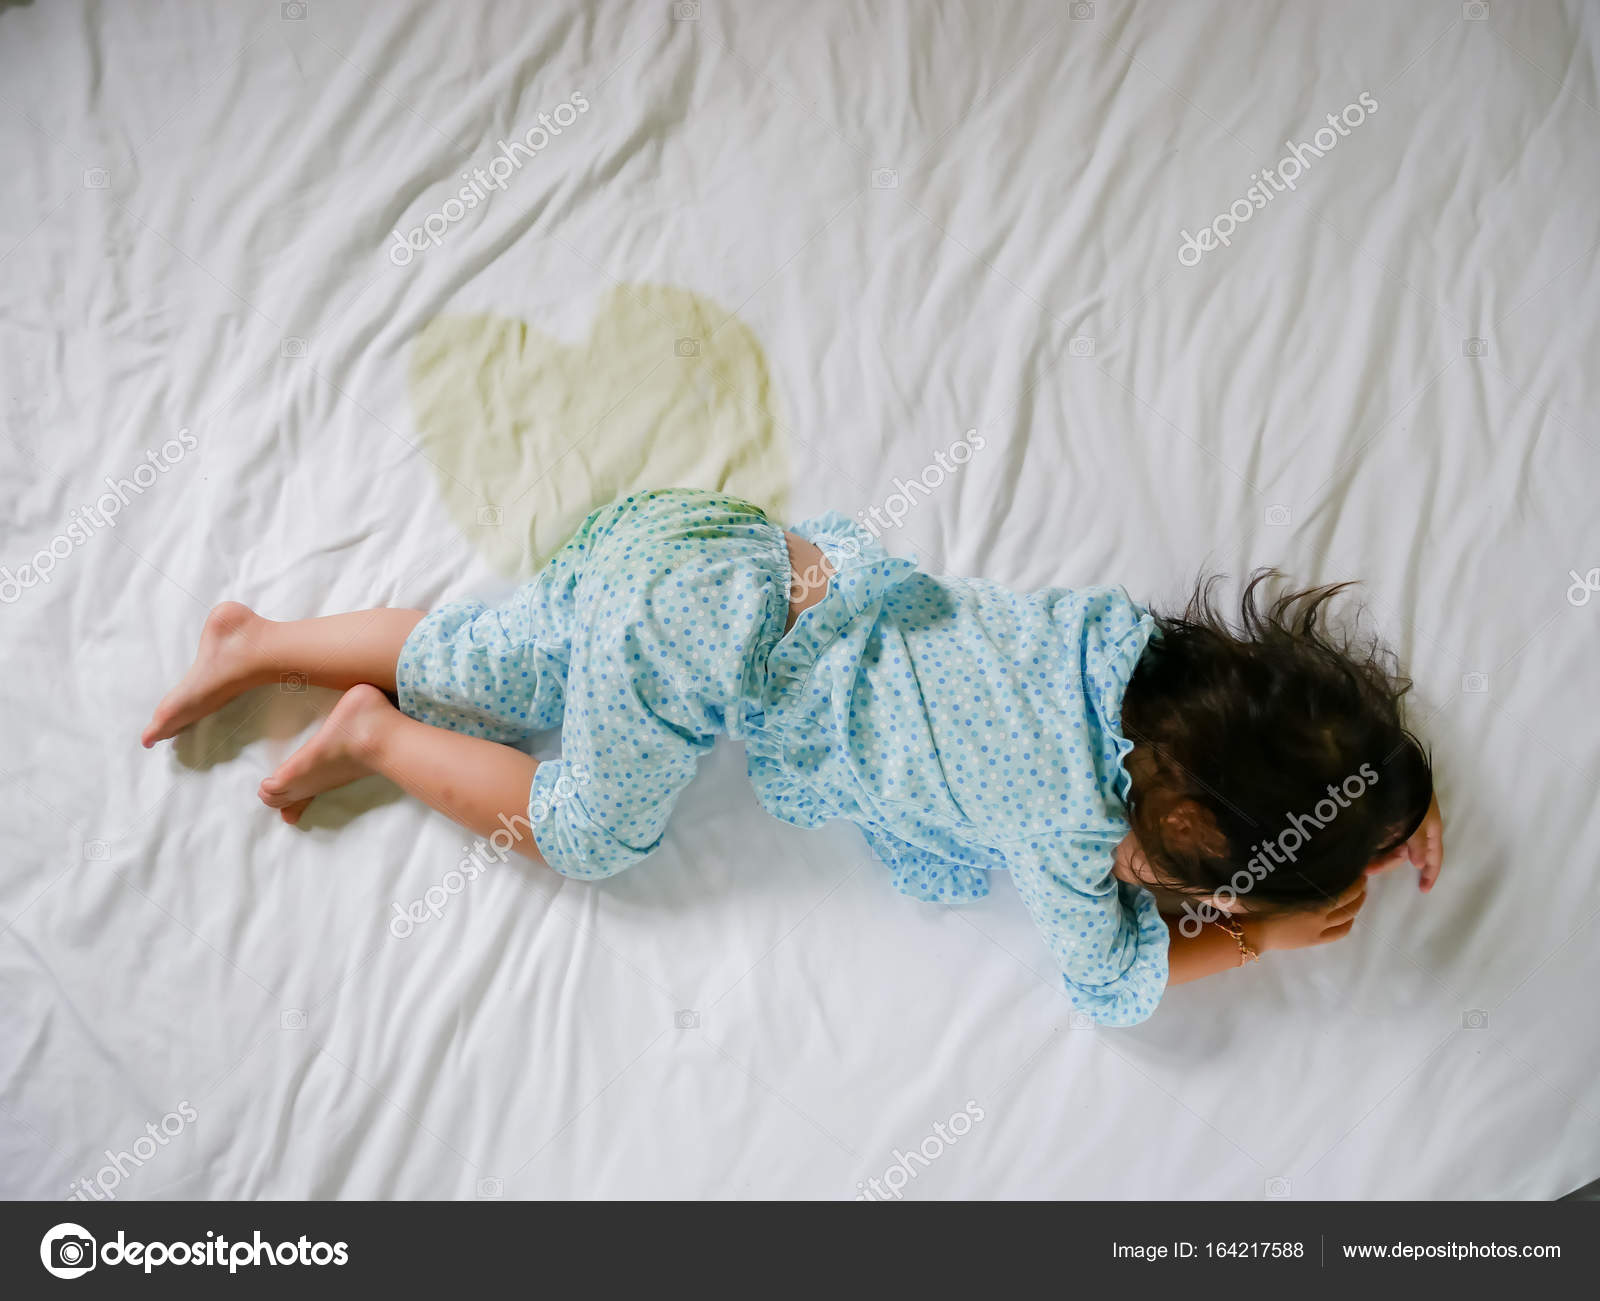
x=480 y=784
x=239 y=650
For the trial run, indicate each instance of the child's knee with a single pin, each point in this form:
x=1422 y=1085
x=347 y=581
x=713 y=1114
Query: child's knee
x=598 y=862
x=578 y=845
x=595 y=872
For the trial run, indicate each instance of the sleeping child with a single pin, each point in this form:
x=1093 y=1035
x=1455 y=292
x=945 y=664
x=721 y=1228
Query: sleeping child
x=1174 y=795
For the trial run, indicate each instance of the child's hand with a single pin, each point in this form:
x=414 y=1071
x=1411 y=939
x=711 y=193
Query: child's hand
x=1425 y=850
x=1300 y=930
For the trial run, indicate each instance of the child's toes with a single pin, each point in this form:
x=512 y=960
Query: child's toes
x=291 y=812
x=157 y=729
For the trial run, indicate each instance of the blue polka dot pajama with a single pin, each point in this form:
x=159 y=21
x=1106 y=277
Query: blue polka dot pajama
x=964 y=727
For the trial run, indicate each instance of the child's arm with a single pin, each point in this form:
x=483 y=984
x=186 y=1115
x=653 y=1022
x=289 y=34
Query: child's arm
x=1209 y=952
x=1214 y=949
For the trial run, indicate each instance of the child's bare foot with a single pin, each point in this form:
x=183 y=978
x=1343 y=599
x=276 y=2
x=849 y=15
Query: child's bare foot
x=333 y=757
x=226 y=664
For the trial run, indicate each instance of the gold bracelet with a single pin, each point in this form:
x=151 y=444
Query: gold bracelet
x=1236 y=929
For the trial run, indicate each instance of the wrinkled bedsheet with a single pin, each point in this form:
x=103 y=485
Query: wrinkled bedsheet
x=324 y=306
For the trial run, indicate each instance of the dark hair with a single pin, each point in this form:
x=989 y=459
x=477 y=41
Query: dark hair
x=1241 y=732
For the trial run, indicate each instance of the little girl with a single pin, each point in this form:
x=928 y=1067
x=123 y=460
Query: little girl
x=1116 y=763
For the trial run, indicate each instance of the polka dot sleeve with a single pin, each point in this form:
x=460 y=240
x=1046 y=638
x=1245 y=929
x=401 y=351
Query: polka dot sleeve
x=1110 y=944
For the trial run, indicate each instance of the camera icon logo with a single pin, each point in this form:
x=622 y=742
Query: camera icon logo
x=1475 y=11
x=293 y=346
x=1278 y=1188
x=293 y=11
x=1475 y=1019
x=491 y=516
x=1474 y=347
x=96 y=851
x=68 y=1251
x=1081 y=11
x=1475 y=683
x=292 y=1018
x=1081 y=345
x=687 y=1019
x=687 y=347
x=1277 y=517
x=293 y=682
x=1081 y=1021
x=96 y=178
x=491 y=1187
x=885 y=178
x=686 y=11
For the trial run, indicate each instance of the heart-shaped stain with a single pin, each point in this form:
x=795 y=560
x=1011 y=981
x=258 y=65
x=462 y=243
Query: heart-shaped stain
x=528 y=434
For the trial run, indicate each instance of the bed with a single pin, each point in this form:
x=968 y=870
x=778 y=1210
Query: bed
x=799 y=252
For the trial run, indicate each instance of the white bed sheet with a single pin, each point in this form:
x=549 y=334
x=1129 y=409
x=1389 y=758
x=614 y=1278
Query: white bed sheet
x=916 y=209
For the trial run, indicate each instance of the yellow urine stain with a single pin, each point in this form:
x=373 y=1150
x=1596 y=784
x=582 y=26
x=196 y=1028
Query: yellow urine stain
x=528 y=434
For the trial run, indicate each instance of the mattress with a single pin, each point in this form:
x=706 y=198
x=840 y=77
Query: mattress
x=323 y=306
